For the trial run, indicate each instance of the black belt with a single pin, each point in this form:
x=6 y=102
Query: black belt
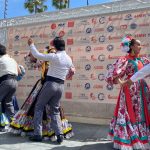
x=50 y=78
x=7 y=76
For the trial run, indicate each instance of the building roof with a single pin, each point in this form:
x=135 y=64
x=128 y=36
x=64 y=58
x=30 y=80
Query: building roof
x=105 y=8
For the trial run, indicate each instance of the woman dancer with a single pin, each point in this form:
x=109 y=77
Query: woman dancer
x=23 y=120
x=130 y=126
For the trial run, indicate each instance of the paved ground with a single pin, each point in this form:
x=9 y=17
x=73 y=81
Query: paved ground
x=87 y=137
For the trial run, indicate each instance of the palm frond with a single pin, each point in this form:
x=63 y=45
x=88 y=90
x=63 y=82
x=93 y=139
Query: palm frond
x=35 y=6
x=60 y=4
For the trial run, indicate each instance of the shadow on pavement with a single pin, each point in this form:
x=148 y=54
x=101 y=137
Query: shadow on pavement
x=6 y=138
x=100 y=146
x=87 y=137
x=89 y=132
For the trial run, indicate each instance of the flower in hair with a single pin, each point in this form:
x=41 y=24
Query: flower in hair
x=126 y=43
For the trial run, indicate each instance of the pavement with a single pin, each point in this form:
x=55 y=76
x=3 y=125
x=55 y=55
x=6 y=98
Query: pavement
x=87 y=137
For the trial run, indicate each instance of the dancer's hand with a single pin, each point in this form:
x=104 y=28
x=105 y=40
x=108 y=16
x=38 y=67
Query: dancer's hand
x=71 y=73
x=128 y=82
x=30 y=41
x=73 y=70
x=125 y=83
x=121 y=82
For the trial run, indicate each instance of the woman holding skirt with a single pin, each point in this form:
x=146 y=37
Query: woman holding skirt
x=130 y=126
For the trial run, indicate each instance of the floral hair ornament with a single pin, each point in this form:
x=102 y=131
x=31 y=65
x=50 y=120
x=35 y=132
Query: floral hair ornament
x=126 y=43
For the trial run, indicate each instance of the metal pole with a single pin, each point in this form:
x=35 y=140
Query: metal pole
x=87 y=2
x=68 y=3
x=59 y=4
x=5 y=9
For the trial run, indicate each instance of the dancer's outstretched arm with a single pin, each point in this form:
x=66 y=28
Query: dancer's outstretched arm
x=37 y=54
x=145 y=71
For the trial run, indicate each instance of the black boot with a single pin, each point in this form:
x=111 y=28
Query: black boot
x=35 y=138
x=60 y=138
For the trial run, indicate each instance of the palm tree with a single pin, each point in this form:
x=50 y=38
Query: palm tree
x=35 y=6
x=61 y=4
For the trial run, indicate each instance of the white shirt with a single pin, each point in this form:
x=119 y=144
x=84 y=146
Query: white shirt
x=8 y=66
x=145 y=71
x=60 y=62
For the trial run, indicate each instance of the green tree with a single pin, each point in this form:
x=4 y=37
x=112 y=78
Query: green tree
x=35 y=6
x=61 y=4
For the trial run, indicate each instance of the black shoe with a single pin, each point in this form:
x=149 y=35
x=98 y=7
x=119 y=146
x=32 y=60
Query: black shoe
x=60 y=138
x=35 y=138
x=2 y=129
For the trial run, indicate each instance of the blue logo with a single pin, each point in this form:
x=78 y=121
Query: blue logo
x=88 y=49
x=109 y=66
x=110 y=47
x=102 y=38
x=87 y=86
x=101 y=76
x=17 y=38
x=110 y=28
x=88 y=67
x=128 y=17
x=101 y=96
x=102 y=20
x=61 y=24
x=133 y=25
x=88 y=30
x=101 y=57
x=109 y=87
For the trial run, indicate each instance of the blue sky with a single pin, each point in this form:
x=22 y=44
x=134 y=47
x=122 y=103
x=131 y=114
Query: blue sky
x=16 y=8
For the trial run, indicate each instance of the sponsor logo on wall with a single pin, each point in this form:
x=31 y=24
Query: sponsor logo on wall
x=92 y=42
x=101 y=57
x=110 y=47
x=87 y=86
x=101 y=96
x=87 y=67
